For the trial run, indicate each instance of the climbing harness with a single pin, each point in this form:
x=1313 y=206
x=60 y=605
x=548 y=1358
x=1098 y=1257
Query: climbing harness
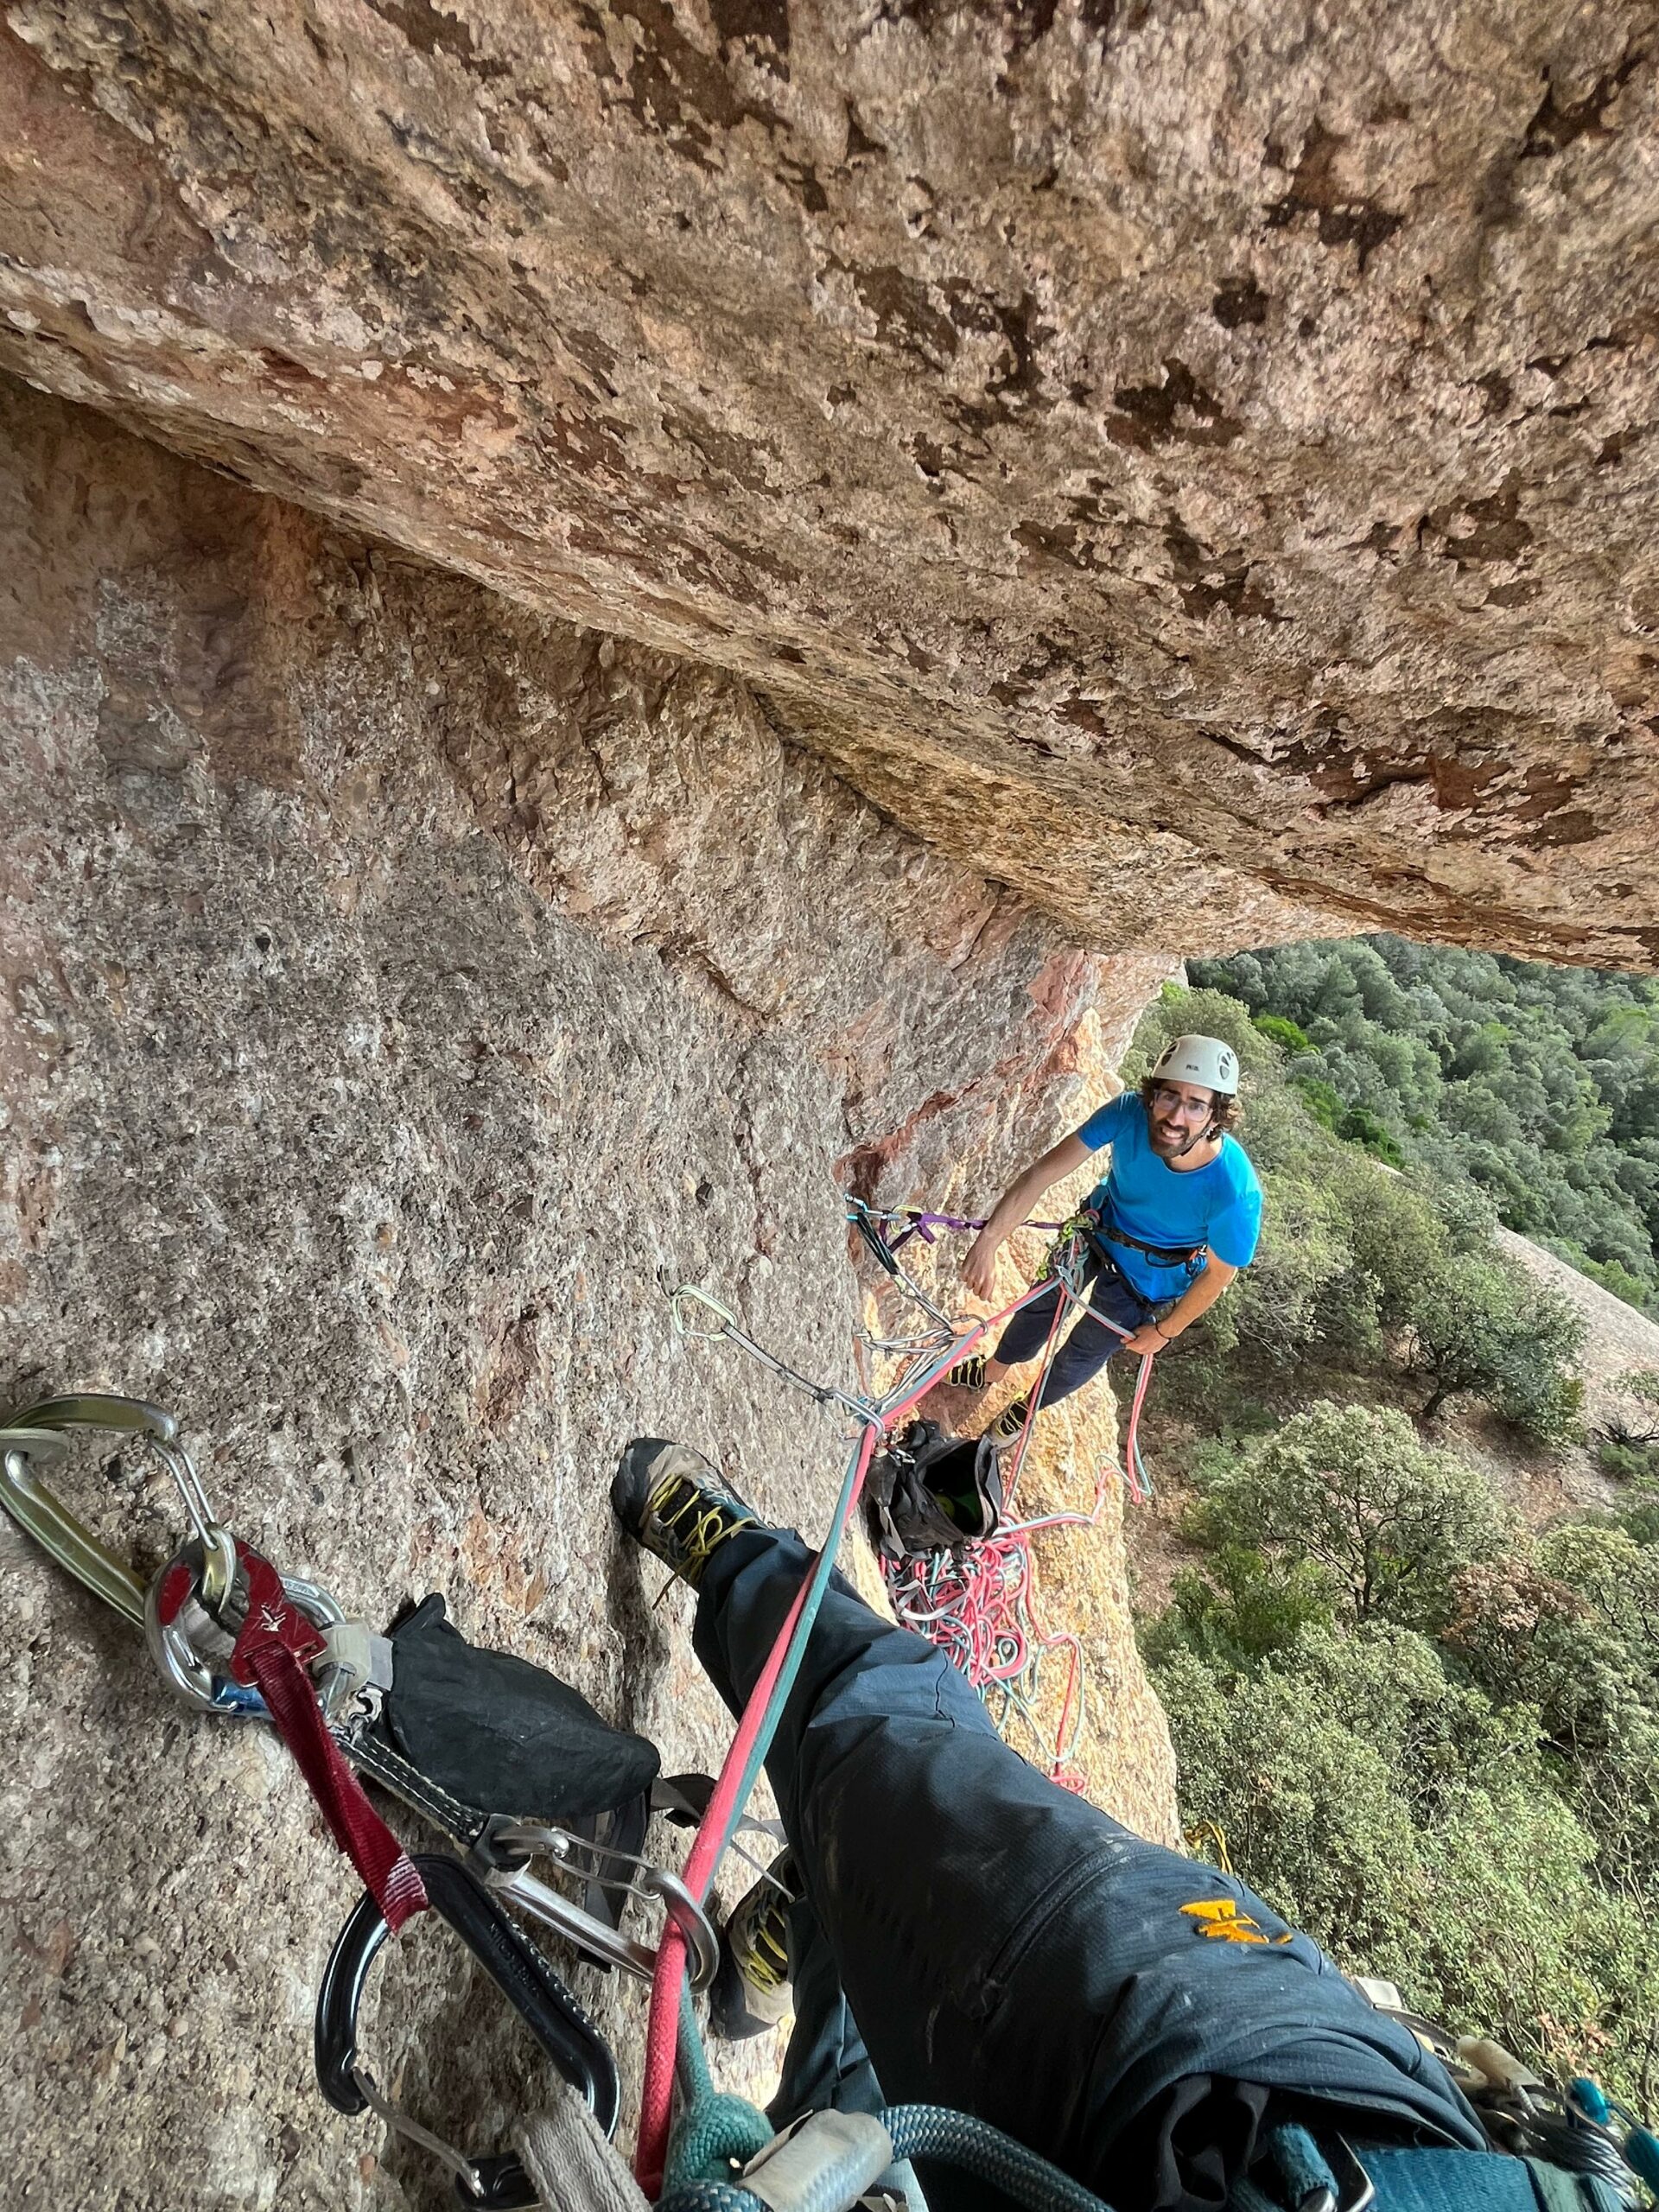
x=1573 y=2127
x=510 y=1764
x=1161 y=1256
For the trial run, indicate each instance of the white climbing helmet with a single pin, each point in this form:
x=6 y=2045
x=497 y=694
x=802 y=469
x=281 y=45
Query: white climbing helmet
x=1200 y=1060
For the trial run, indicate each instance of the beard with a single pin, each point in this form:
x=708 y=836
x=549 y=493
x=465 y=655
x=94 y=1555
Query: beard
x=1170 y=1138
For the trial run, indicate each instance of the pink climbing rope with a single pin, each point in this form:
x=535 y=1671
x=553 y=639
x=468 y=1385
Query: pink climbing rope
x=662 y=2028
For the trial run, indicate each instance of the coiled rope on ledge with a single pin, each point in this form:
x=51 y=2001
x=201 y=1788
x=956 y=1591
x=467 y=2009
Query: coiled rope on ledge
x=979 y=1604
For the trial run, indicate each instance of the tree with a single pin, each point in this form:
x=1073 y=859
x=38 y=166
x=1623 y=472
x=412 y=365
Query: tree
x=1571 y=1626
x=1637 y=1424
x=1355 y=1490
x=1477 y=1328
x=1245 y=1605
x=1286 y=1035
x=1539 y=1085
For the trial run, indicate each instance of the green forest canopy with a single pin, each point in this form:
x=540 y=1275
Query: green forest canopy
x=1538 y=1085
x=1423 y=1731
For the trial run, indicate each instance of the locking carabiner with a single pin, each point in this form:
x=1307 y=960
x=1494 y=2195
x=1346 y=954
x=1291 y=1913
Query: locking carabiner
x=191 y=1633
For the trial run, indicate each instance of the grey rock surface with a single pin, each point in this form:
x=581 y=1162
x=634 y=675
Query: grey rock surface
x=392 y=982
x=1193 y=462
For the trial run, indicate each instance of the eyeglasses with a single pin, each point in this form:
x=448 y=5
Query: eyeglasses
x=1174 y=1102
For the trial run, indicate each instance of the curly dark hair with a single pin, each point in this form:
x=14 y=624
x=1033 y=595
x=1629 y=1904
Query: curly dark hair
x=1224 y=1112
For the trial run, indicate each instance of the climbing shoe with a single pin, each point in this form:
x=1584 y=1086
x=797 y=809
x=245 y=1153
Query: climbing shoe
x=1006 y=1428
x=671 y=1500
x=750 y=1992
x=968 y=1373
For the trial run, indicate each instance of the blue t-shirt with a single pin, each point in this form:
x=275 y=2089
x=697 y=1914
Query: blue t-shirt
x=1218 y=1205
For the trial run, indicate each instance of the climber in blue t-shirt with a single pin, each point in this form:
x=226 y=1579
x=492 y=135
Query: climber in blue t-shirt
x=1179 y=1210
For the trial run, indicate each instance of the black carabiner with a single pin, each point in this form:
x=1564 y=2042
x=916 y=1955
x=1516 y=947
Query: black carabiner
x=577 y=2049
x=875 y=1243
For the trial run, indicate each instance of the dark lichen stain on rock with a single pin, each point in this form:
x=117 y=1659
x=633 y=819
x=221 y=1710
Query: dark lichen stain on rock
x=1178 y=411
x=1208 y=581
x=1473 y=532
x=1559 y=122
x=1239 y=301
x=1343 y=218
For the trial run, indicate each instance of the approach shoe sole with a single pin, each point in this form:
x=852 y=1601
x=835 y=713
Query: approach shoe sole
x=751 y=1990
x=1006 y=1428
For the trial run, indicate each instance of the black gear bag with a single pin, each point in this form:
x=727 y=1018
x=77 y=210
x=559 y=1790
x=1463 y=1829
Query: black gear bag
x=933 y=1492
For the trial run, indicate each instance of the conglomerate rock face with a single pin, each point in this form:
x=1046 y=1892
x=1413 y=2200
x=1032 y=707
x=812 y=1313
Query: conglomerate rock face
x=1195 y=462
x=394 y=985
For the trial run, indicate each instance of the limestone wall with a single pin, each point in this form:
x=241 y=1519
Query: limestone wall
x=392 y=982
x=1214 y=434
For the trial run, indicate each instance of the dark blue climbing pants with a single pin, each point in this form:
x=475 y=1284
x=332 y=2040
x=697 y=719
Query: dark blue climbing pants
x=971 y=1934
x=1089 y=1343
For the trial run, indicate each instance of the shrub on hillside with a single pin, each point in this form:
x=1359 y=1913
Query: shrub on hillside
x=1477 y=1327
x=1243 y=1606
x=1286 y=1035
x=1406 y=1823
x=1353 y=1488
x=1571 y=1626
x=1539 y=1085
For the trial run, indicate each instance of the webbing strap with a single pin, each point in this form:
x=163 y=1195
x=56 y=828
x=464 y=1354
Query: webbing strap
x=275 y=1641
x=1161 y=1256
x=1412 y=2180
x=1478 y=2181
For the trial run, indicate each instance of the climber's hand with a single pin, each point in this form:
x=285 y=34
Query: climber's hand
x=1146 y=1340
x=979 y=1265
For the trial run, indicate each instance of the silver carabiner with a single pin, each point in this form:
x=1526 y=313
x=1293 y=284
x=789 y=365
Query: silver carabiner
x=191 y=1648
x=40 y=1433
x=37 y=1434
x=644 y=1880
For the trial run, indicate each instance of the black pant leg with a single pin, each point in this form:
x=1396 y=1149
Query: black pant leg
x=1028 y=1333
x=1005 y=1947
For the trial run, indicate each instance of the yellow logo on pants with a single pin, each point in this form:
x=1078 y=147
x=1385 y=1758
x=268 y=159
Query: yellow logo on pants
x=1222 y=1920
